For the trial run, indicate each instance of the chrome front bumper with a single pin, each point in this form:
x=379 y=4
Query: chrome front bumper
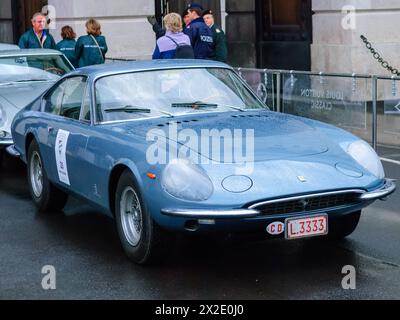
x=388 y=188
x=12 y=151
x=5 y=142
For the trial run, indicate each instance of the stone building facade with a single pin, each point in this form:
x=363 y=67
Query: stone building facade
x=290 y=34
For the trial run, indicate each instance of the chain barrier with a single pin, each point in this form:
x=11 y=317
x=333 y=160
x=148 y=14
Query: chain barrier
x=378 y=57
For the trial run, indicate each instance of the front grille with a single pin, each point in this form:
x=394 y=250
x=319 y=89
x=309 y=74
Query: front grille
x=307 y=204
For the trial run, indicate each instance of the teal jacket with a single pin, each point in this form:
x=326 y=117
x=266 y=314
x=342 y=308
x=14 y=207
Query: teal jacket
x=29 y=41
x=221 y=49
x=88 y=53
x=67 y=47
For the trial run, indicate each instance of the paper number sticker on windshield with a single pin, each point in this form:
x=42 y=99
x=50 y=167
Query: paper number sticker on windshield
x=61 y=158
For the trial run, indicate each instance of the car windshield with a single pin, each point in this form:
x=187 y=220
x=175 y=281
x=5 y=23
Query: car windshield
x=32 y=68
x=171 y=93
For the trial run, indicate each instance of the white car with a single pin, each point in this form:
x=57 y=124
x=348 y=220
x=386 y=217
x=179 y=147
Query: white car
x=24 y=75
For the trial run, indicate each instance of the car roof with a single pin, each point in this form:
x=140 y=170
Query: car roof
x=133 y=66
x=8 y=46
x=28 y=52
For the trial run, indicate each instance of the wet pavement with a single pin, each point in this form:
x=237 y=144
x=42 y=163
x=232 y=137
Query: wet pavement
x=83 y=247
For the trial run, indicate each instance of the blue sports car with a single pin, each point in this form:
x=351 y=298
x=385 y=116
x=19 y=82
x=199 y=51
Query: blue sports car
x=186 y=146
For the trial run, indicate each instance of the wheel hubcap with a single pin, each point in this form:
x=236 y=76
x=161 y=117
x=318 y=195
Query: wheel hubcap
x=36 y=174
x=131 y=216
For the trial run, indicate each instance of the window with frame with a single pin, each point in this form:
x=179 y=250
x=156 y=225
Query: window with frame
x=66 y=99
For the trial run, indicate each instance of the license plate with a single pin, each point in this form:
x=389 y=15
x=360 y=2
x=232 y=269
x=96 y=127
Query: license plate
x=306 y=227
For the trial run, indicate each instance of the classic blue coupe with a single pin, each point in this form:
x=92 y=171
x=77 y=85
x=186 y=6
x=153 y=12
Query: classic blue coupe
x=186 y=146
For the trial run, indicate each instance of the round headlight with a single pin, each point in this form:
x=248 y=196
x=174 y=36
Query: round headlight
x=187 y=181
x=362 y=152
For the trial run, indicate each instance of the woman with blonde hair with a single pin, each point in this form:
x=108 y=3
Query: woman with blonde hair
x=92 y=48
x=175 y=44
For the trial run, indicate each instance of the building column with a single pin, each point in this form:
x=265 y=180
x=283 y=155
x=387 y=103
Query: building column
x=241 y=33
x=338 y=48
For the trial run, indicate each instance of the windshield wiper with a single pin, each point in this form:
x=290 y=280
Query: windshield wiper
x=195 y=105
x=129 y=109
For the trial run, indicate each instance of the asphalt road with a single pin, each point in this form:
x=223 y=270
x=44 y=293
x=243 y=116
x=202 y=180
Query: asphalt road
x=83 y=247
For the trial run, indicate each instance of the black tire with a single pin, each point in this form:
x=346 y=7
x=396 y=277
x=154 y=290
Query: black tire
x=344 y=226
x=149 y=244
x=49 y=199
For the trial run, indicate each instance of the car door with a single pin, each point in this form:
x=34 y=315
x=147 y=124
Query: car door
x=68 y=129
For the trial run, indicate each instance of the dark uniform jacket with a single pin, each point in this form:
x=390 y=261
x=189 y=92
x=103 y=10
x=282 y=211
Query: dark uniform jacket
x=201 y=38
x=221 y=50
x=87 y=53
x=29 y=40
x=67 y=47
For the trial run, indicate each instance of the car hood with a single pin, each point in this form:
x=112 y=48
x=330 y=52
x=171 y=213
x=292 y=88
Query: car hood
x=20 y=95
x=272 y=136
x=14 y=97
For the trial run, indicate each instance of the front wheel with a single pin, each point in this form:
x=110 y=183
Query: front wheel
x=142 y=239
x=45 y=195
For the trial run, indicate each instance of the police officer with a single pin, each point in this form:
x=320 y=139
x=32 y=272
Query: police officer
x=37 y=37
x=91 y=49
x=200 y=34
x=67 y=45
x=221 y=50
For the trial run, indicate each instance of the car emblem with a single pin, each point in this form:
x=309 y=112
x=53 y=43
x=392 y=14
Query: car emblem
x=304 y=203
x=302 y=179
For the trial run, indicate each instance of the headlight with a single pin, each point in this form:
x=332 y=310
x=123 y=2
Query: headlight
x=366 y=157
x=185 y=180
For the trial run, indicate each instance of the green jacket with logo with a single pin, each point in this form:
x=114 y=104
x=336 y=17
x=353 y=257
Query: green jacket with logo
x=221 y=49
x=29 y=40
x=87 y=52
x=67 y=47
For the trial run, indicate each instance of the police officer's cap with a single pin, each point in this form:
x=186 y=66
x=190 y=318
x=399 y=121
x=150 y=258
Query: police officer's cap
x=185 y=13
x=195 y=6
x=208 y=12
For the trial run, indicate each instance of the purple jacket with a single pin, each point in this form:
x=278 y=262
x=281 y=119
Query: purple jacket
x=166 y=48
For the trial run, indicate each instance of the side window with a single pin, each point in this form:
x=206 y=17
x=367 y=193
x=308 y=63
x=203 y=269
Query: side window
x=85 y=112
x=66 y=99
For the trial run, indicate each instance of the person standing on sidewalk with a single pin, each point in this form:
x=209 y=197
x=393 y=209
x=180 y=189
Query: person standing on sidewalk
x=91 y=49
x=200 y=34
x=67 y=45
x=175 y=44
x=37 y=37
x=221 y=49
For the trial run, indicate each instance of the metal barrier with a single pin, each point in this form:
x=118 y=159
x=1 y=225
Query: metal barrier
x=368 y=106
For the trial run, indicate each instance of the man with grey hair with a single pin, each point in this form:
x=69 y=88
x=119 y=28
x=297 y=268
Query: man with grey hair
x=37 y=37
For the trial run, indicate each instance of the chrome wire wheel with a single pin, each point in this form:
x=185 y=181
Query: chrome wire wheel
x=36 y=174
x=131 y=216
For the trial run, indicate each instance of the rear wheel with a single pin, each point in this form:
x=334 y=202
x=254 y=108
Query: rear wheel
x=46 y=196
x=142 y=239
x=344 y=226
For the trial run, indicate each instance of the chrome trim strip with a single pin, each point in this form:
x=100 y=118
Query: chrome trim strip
x=12 y=151
x=210 y=214
x=315 y=195
x=388 y=188
x=6 y=142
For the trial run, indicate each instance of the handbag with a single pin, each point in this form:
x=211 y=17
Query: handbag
x=98 y=47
